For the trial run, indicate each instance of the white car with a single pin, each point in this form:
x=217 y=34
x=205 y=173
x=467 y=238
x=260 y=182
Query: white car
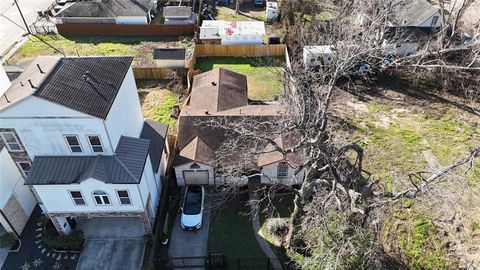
x=192 y=209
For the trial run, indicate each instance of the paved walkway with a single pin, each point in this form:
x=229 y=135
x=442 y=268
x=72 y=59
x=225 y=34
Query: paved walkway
x=261 y=239
x=33 y=254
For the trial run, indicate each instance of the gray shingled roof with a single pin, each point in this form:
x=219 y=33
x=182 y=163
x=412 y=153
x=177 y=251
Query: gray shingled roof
x=105 y=8
x=85 y=84
x=413 y=12
x=125 y=167
x=156 y=132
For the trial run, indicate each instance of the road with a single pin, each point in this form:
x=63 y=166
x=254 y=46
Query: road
x=11 y=24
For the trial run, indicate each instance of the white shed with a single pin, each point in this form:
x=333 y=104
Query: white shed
x=272 y=11
x=317 y=55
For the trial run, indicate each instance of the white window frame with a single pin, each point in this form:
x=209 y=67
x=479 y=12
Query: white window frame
x=73 y=200
x=91 y=146
x=435 y=20
x=68 y=145
x=21 y=169
x=16 y=140
x=119 y=198
x=278 y=170
x=101 y=198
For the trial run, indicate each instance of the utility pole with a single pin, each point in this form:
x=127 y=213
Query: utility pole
x=23 y=18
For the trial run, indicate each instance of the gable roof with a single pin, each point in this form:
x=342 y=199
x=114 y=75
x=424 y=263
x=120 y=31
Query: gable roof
x=156 y=132
x=218 y=90
x=196 y=150
x=85 y=84
x=413 y=12
x=36 y=72
x=125 y=167
x=106 y=8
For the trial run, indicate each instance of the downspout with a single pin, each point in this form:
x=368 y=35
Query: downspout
x=108 y=137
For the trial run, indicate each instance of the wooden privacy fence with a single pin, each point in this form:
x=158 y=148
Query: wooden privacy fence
x=98 y=29
x=239 y=50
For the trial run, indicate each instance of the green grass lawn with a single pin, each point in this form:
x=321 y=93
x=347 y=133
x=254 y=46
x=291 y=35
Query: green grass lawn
x=140 y=47
x=231 y=233
x=228 y=14
x=263 y=73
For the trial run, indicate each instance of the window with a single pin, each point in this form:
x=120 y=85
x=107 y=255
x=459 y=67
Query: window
x=11 y=141
x=124 y=197
x=434 y=20
x=101 y=198
x=77 y=197
x=95 y=143
x=73 y=143
x=194 y=166
x=25 y=166
x=282 y=170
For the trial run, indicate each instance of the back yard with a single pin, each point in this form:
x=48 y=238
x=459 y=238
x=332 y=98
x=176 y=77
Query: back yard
x=139 y=47
x=157 y=100
x=263 y=73
x=231 y=233
x=404 y=128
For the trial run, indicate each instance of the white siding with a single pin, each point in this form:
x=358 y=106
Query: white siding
x=56 y=198
x=149 y=185
x=125 y=116
x=44 y=136
x=270 y=172
x=4 y=81
x=11 y=181
x=179 y=172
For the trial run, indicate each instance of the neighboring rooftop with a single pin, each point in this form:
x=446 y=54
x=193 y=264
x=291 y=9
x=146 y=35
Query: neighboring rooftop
x=105 y=8
x=156 y=132
x=125 y=167
x=413 y=12
x=169 y=54
x=177 y=12
x=215 y=29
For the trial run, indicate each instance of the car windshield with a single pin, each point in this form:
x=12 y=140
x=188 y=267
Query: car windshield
x=193 y=201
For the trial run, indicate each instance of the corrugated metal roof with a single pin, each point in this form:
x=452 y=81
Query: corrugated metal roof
x=125 y=167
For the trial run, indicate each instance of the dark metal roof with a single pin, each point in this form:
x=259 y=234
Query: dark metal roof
x=86 y=84
x=156 y=132
x=169 y=54
x=125 y=167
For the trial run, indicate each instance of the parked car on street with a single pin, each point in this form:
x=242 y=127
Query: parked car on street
x=192 y=209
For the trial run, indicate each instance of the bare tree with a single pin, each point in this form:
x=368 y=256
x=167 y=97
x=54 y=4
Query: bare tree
x=336 y=200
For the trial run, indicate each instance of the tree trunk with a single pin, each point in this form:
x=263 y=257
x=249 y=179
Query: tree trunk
x=237 y=6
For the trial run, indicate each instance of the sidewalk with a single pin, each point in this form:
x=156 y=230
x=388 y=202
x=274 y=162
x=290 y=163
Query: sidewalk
x=261 y=239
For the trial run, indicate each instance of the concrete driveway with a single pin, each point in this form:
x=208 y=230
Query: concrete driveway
x=191 y=243
x=111 y=243
x=11 y=24
x=112 y=254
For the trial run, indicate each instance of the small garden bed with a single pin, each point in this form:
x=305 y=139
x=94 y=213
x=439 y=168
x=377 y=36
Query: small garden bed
x=263 y=73
x=72 y=242
x=9 y=241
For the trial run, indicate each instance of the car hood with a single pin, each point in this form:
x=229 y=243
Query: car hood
x=191 y=220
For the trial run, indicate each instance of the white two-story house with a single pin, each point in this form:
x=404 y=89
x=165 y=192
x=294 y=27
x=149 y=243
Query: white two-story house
x=78 y=121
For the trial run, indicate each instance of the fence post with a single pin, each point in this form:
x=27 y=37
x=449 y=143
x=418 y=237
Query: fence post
x=238 y=263
x=268 y=263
